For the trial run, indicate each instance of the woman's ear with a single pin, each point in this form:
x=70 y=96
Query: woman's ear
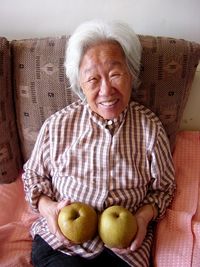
x=136 y=83
x=81 y=94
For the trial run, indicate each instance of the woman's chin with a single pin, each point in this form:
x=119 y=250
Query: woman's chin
x=109 y=114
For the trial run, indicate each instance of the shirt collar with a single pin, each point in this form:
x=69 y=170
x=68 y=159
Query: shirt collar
x=110 y=124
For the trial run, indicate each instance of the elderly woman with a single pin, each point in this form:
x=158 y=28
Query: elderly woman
x=103 y=150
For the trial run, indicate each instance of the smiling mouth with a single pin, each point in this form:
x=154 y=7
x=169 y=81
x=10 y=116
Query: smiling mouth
x=109 y=103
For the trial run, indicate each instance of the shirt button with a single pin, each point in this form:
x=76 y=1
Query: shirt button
x=110 y=122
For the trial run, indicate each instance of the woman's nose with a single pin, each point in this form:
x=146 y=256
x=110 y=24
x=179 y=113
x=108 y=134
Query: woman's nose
x=105 y=87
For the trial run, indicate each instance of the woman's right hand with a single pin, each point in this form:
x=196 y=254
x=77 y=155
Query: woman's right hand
x=49 y=209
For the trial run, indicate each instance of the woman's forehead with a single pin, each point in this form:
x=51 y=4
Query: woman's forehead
x=108 y=64
x=109 y=54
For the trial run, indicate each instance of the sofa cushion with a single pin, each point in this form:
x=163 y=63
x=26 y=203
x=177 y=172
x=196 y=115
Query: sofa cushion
x=10 y=159
x=167 y=71
x=41 y=87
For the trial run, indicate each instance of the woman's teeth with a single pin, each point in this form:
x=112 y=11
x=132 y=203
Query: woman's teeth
x=108 y=103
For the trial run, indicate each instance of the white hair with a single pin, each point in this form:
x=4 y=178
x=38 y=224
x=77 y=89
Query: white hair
x=93 y=32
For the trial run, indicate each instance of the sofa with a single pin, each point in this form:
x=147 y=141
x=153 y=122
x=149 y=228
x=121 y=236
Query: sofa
x=33 y=85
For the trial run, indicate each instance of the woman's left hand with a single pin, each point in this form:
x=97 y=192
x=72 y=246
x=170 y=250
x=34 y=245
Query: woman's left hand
x=143 y=216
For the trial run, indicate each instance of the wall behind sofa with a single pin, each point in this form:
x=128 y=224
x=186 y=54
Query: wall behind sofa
x=41 y=18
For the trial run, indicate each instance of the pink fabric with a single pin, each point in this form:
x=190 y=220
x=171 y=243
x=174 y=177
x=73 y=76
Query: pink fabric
x=178 y=234
x=15 y=221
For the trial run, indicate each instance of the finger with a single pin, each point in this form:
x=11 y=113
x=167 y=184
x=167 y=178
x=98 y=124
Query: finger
x=63 y=203
x=118 y=250
x=63 y=239
x=137 y=242
x=135 y=245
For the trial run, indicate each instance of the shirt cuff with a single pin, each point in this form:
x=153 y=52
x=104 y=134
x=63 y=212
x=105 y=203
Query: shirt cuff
x=36 y=191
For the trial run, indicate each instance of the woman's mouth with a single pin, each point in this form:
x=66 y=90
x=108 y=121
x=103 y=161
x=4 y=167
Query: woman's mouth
x=109 y=103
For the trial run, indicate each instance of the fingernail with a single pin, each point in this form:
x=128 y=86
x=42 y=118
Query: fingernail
x=133 y=247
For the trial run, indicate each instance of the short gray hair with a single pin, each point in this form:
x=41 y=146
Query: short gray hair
x=96 y=31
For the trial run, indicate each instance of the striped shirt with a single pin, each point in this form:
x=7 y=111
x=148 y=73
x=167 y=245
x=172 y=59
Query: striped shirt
x=82 y=157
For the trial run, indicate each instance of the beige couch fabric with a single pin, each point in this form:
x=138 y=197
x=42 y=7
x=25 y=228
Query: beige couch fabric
x=40 y=85
x=168 y=68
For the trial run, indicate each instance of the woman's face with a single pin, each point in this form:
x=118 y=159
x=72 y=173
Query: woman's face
x=105 y=79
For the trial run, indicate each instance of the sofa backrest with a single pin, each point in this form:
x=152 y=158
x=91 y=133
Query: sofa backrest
x=40 y=85
x=41 y=88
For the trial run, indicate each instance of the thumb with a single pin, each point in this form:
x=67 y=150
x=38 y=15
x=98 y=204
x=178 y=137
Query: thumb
x=135 y=245
x=63 y=203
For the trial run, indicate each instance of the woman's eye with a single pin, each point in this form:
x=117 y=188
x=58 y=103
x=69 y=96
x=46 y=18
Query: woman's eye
x=115 y=75
x=93 y=79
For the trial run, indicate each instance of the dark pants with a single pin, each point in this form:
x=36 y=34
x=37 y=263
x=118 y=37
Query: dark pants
x=43 y=255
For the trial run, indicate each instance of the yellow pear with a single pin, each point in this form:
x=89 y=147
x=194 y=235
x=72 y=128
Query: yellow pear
x=117 y=227
x=78 y=222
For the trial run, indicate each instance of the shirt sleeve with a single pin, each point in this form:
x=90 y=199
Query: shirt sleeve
x=36 y=176
x=162 y=186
